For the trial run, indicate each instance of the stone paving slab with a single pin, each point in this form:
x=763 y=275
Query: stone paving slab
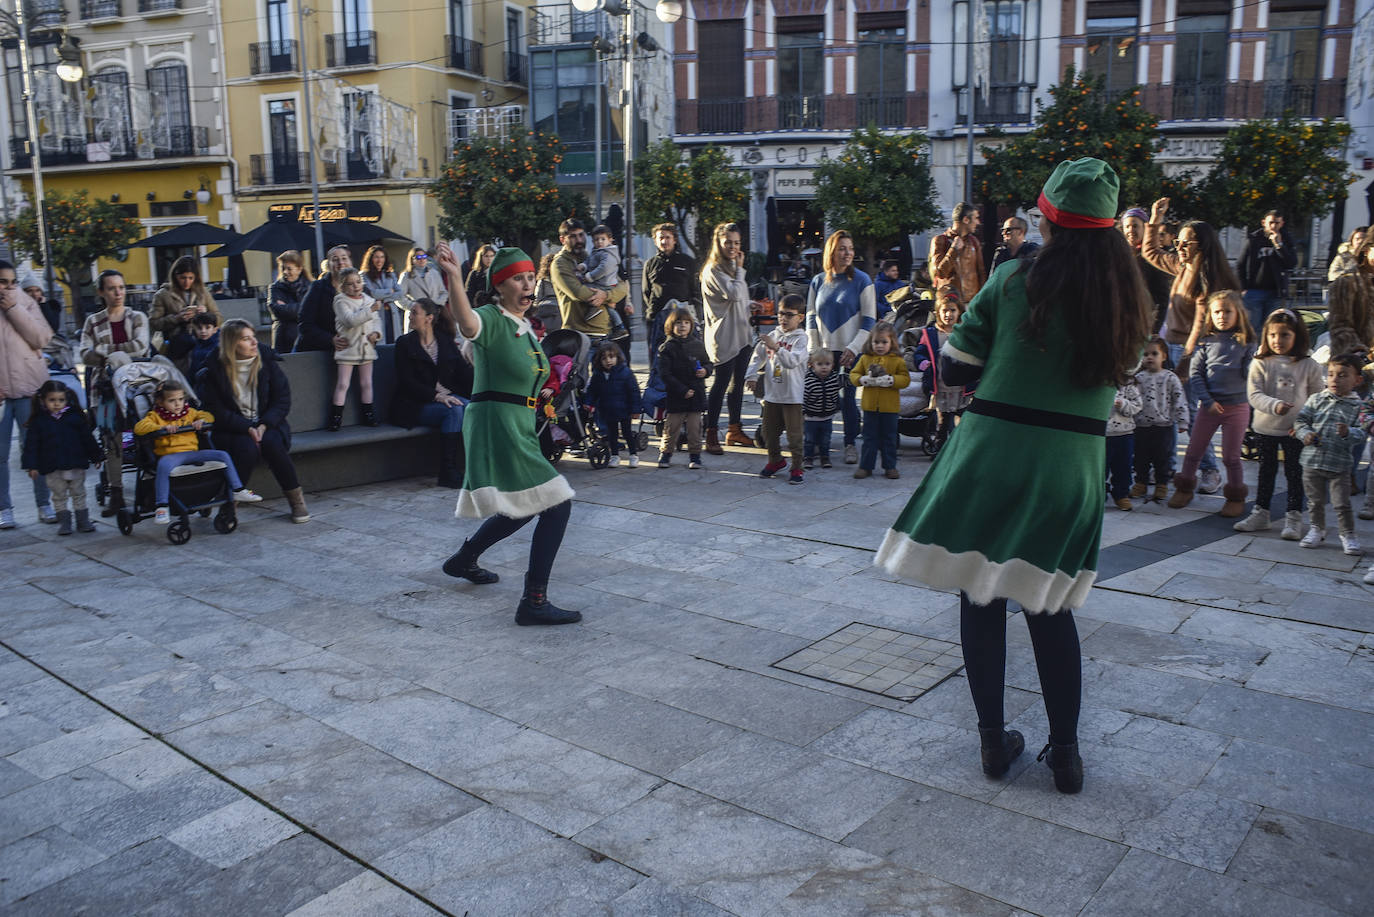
x=358 y=734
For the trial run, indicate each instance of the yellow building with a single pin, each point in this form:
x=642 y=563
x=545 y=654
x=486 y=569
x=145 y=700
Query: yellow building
x=145 y=126
x=391 y=88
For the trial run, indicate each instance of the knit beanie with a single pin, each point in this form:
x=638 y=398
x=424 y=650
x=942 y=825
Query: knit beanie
x=507 y=263
x=1081 y=194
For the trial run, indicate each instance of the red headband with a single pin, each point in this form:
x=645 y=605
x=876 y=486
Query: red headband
x=1071 y=220
x=510 y=270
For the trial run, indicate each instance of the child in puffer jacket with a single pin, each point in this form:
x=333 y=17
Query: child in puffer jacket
x=613 y=395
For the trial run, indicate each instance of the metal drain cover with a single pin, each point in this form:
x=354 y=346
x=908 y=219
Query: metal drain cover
x=877 y=659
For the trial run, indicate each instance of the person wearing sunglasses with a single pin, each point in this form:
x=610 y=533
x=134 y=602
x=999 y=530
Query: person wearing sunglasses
x=423 y=279
x=1014 y=243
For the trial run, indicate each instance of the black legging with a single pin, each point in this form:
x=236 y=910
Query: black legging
x=729 y=374
x=983 y=630
x=548 y=537
x=246 y=454
x=1269 y=447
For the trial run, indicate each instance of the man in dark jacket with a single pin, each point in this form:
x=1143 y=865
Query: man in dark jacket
x=317 y=309
x=669 y=274
x=1014 y=244
x=1263 y=267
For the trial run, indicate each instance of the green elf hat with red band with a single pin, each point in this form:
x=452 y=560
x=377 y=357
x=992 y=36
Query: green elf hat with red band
x=507 y=263
x=1081 y=194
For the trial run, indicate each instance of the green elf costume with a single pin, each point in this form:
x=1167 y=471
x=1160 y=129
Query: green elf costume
x=1042 y=437
x=507 y=479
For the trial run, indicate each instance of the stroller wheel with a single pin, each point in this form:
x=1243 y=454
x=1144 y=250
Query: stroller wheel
x=598 y=454
x=1249 y=446
x=554 y=454
x=226 y=522
x=642 y=441
x=179 y=532
x=930 y=445
x=125 y=520
x=205 y=513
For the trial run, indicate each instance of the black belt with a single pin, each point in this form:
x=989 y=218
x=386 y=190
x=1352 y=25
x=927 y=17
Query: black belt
x=504 y=398
x=1035 y=417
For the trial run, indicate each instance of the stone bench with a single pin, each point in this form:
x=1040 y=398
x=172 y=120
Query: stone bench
x=355 y=454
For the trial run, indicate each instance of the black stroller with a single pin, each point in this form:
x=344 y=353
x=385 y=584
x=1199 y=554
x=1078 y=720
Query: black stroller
x=118 y=398
x=570 y=429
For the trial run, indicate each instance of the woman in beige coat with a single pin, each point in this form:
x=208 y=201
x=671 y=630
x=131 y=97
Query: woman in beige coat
x=23 y=335
x=725 y=296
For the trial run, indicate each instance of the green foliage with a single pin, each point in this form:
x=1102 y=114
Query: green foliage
x=1081 y=120
x=506 y=189
x=671 y=186
x=1282 y=164
x=879 y=188
x=80 y=230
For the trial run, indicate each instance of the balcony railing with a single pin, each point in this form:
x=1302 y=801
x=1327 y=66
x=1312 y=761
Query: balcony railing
x=1241 y=101
x=158 y=6
x=465 y=54
x=272 y=57
x=350 y=49
x=101 y=9
x=799 y=113
x=579 y=158
x=561 y=24
x=181 y=140
x=350 y=166
x=517 y=66
x=46 y=13
x=1002 y=105
x=279 y=168
x=500 y=122
x=154 y=143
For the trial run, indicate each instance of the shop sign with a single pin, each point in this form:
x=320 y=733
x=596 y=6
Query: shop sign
x=782 y=155
x=794 y=183
x=362 y=211
x=1195 y=149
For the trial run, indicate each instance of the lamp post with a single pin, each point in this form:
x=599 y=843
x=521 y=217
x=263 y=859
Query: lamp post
x=668 y=12
x=69 y=70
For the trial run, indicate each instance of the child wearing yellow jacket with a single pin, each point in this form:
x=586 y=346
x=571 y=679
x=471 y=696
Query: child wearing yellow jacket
x=883 y=374
x=170 y=414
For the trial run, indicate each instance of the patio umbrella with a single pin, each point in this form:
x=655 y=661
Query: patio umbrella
x=362 y=233
x=276 y=237
x=188 y=235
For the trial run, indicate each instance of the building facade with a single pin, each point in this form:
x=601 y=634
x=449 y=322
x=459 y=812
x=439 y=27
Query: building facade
x=780 y=84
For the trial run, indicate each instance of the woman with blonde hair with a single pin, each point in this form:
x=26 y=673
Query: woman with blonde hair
x=729 y=339
x=841 y=310
x=285 y=297
x=248 y=394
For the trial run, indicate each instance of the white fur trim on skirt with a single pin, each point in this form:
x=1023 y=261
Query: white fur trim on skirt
x=1032 y=588
x=519 y=504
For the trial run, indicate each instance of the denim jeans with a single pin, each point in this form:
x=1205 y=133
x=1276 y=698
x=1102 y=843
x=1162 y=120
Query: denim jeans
x=1209 y=460
x=447 y=419
x=1120 y=455
x=880 y=434
x=817 y=435
x=163 y=484
x=1258 y=305
x=16 y=414
x=849 y=406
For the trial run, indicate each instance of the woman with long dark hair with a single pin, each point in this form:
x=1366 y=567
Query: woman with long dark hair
x=476 y=284
x=725 y=300
x=177 y=302
x=1049 y=343
x=433 y=384
x=379 y=282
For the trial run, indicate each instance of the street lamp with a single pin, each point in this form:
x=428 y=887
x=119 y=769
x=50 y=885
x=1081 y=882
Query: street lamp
x=69 y=70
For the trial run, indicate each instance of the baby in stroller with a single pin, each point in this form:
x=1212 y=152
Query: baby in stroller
x=179 y=446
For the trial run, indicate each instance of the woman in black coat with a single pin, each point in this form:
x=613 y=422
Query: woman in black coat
x=288 y=291
x=247 y=392
x=433 y=385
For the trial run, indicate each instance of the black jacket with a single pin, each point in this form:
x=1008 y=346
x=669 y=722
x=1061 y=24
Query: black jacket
x=274 y=397
x=416 y=375
x=1261 y=266
x=60 y=444
x=669 y=277
x=678 y=361
x=317 y=317
x=284 y=299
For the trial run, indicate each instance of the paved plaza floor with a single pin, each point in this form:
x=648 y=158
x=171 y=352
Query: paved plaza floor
x=313 y=720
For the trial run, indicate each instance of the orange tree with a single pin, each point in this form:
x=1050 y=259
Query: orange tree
x=673 y=186
x=1283 y=164
x=1082 y=119
x=505 y=188
x=80 y=230
x=879 y=188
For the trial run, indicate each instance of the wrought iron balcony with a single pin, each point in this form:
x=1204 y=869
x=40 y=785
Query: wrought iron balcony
x=180 y=140
x=502 y=121
x=465 y=54
x=801 y=113
x=158 y=6
x=1002 y=105
x=350 y=49
x=101 y=9
x=45 y=14
x=279 y=168
x=1244 y=100
x=517 y=68
x=273 y=57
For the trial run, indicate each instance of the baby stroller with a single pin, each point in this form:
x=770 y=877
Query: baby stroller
x=61 y=360
x=118 y=398
x=570 y=429
x=918 y=419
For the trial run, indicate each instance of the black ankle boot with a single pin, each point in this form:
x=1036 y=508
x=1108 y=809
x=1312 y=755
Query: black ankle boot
x=369 y=416
x=1067 y=766
x=1000 y=748
x=535 y=608
x=335 y=418
x=463 y=565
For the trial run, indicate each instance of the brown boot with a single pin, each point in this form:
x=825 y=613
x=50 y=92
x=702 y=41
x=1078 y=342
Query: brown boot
x=713 y=441
x=297 y=500
x=1184 y=486
x=1235 y=500
x=1161 y=492
x=735 y=436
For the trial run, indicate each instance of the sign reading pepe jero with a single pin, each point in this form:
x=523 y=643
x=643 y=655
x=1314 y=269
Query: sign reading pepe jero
x=362 y=211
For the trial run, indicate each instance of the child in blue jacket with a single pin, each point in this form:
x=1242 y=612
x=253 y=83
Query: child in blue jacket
x=613 y=395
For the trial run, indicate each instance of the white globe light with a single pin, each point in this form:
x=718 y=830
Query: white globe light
x=585 y=6
x=70 y=73
x=668 y=11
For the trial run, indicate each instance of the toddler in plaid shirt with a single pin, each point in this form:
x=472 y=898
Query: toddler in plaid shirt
x=1329 y=426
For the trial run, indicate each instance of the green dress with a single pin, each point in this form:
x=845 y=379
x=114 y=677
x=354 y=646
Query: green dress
x=1012 y=506
x=506 y=470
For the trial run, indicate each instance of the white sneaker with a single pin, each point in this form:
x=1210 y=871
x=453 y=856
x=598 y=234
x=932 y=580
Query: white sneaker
x=613 y=461
x=1314 y=537
x=162 y=517
x=1257 y=521
x=1209 y=481
x=851 y=455
x=6 y=518
x=1369 y=575
x=1292 y=526
x=246 y=496
x=46 y=513
x=1351 y=545
x=634 y=461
